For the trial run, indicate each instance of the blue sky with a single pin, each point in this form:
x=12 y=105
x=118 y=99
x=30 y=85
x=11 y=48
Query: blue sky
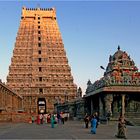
x=91 y=31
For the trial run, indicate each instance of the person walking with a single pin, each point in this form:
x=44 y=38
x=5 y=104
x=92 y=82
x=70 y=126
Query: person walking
x=93 y=124
x=38 y=119
x=58 y=117
x=97 y=118
x=86 y=120
x=108 y=115
x=121 y=128
x=62 y=117
x=45 y=118
x=52 y=120
x=41 y=118
x=33 y=119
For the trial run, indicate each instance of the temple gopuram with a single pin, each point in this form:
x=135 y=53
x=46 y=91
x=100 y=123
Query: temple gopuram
x=118 y=91
x=39 y=70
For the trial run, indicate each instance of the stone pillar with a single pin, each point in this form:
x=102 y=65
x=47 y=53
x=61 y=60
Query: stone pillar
x=123 y=105
x=115 y=107
x=91 y=111
x=100 y=107
x=108 y=101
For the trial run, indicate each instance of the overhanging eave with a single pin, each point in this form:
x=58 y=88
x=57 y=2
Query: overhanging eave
x=130 y=89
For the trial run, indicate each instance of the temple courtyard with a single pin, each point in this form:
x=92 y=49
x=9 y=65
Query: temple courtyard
x=70 y=130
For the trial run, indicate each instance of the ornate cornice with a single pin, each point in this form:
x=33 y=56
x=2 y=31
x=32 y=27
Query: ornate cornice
x=120 y=72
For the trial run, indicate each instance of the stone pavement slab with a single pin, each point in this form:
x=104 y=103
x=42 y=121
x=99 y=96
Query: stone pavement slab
x=70 y=130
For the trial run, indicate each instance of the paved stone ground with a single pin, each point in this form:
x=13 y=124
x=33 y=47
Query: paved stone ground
x=70 y=130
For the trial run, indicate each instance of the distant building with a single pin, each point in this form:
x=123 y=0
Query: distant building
x=39 y=70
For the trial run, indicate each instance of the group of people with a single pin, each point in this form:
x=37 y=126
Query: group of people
x=94 y=121
x=50 y=118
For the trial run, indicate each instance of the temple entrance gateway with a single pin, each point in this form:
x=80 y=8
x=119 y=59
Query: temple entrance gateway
x=41 y=105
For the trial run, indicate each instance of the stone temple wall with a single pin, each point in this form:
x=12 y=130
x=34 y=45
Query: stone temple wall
x=75 y=108
x=10 y=103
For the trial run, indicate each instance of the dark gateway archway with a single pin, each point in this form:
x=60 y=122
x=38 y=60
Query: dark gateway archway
x=41 y=103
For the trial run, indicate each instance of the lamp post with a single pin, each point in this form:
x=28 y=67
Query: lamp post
x=102 y=67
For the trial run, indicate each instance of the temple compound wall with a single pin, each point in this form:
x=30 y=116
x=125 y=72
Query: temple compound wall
x=76 y=107
x=10 y=103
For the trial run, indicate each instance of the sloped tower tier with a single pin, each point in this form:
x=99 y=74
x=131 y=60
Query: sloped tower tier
x=39 y=69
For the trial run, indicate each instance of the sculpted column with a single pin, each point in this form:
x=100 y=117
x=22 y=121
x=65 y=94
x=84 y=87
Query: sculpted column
x=100 y=107
x=123 y=105
x=91 y=111
x=108 y=101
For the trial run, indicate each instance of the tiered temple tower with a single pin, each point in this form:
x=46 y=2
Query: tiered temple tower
x=39 y=69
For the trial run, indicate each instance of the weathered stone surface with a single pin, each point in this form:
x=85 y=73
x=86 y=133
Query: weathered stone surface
x=9 y=102
x=76 y=108
x=39 y=67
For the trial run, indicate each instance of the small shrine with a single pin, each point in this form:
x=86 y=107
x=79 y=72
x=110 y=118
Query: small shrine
x=118 y=91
